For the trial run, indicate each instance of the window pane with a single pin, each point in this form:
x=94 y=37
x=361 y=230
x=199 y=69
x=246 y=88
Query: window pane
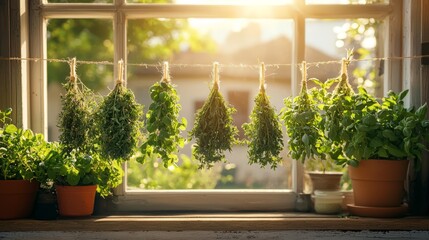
x=244 y=2
x=347 y=1
x=191 y=46
x=362 y=35
x=85 y=39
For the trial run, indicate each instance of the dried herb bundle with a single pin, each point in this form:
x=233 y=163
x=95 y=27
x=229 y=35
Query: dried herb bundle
x=302 y=119
x=162 y=123
x=213 y=130
x=264 y=131
x=119 y=122
x=75 y=119
x=341 y=101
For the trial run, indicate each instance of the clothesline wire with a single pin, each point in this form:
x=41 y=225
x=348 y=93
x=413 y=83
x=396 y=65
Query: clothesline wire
x=185 y=65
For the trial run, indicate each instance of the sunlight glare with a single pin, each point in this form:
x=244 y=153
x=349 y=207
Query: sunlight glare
x=239 y=2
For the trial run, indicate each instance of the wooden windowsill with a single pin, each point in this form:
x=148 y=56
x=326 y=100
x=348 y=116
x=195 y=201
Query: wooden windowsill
x=216 y=222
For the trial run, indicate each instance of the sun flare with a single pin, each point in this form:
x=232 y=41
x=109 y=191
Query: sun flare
x=239 y=2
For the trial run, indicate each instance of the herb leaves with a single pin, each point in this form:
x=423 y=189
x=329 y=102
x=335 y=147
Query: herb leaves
x=75 y=119
x=264 y=131
x=162 y=123
x=213 y=130
x=119 y=122
x=302 y=118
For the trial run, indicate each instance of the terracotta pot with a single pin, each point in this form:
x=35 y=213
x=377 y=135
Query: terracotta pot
x=379 y=183
x=325 y=181
x=75 y=201
x=17 y=198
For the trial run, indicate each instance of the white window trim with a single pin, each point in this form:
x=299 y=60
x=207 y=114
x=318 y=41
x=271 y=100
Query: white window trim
x=120 y=11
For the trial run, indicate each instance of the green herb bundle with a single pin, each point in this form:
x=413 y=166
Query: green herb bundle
x=264 y=131
x=340 y=103
x=162 y=123
x=75 y=119
x=302 y=118
x=213 y=129
x=119 y=122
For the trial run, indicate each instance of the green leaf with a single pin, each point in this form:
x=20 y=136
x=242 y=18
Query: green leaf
x=10 y=129
x=403 y=94
x=395 y=151
x=305 y=139
x=389 y=134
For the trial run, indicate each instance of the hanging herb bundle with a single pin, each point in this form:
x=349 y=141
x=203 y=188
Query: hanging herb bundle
x=75 y=119
x=341 y=101
x=162 y=123
x=119 y=121
x=213 y=130
x=264 y=132
x=302 y=117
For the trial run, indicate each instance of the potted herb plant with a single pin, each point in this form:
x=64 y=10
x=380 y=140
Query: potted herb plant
x=77 y=165
x=302 y=116
x=379 y=139
x=77 y=175
x=331 y=106
x=21 y=153
x=324 y=173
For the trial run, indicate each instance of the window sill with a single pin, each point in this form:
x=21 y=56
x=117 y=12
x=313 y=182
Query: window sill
x=216 y=222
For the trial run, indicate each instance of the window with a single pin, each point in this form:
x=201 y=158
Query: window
x=120 y=20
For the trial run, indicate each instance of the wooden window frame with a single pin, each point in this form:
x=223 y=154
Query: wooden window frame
x=201 y=200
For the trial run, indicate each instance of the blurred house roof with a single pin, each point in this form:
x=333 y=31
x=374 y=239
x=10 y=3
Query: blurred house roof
x=243 y=63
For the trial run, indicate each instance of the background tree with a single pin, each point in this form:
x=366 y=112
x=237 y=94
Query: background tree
x=361 y=36
x=149 y=41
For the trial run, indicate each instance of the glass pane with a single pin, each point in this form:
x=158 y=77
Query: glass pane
x=364 y=36
x=243 y=2
x=347 y=1
x=191 y=46
x=80 y=1
x=85 y=39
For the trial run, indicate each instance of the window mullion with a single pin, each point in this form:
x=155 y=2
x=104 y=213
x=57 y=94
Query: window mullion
x=298 y=55
x=393 y=48
x=38 y=69
x=119 y=33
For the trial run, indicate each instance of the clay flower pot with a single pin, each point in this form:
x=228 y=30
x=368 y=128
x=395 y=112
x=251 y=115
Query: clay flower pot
x=75 y=201
x=325 y=181
x=17 y=198
x=378 y=187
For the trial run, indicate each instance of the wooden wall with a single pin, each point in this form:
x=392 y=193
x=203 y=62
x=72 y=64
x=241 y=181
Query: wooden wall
x=425 y=98
x=10 y=46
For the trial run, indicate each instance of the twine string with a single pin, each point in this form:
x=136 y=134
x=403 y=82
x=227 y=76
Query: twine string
x=262 y=77
x=193 y=65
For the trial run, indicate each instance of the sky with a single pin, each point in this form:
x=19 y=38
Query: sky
x=219 y=29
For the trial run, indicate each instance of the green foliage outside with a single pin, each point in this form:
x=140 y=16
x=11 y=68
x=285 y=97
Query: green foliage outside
x=153 y=175
x=149 y=41
x=361 y=35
